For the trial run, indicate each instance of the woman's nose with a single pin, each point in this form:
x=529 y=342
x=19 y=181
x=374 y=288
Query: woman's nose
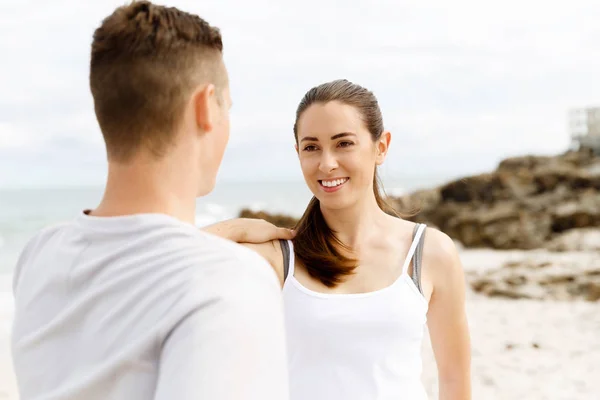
x=328 y=162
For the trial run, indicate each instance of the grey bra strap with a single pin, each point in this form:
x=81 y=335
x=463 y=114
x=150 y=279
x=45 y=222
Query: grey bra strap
x=417 y=259
x=285 y=249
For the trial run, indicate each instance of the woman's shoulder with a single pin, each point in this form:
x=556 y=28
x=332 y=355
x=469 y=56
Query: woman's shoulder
x=440 y=255
x=439 y=250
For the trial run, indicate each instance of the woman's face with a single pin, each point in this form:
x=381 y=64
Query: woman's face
x=337 y=154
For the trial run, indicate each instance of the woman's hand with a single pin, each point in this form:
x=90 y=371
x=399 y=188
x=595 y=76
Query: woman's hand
x=249 y=230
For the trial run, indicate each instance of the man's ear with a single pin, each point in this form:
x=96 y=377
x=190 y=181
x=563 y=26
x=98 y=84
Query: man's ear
x=203 y=99
x=383 y=146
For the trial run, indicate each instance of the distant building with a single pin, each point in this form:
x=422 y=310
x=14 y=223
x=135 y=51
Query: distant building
x=584 y=126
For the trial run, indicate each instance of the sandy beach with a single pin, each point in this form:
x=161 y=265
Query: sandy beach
x=522 y=349
x=7 y=380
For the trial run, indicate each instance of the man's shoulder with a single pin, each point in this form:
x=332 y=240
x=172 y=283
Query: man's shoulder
x=43 y=235
x=213 y=270
x=202 y=257
x=37 y=243
x=51 y=230
x=160 y=243
x=235 y=260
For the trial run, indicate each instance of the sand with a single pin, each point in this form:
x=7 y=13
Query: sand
x=534 y=350
x=7 y=380
x=522 y=349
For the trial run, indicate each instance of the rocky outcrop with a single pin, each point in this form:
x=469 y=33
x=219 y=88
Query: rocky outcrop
x=525 y=203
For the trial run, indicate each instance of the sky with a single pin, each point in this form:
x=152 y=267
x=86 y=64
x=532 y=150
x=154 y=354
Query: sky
x=461 y=84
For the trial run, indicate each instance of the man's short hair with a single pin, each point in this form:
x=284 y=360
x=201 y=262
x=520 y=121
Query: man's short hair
x=146 y=60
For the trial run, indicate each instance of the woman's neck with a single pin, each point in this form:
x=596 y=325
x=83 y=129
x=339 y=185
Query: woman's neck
x=354 y=225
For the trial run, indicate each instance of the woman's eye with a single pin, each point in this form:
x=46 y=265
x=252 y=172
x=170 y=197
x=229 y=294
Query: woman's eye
x=310 y=147
x=345 y=144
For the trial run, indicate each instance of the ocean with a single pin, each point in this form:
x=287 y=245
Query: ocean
x=25 y=211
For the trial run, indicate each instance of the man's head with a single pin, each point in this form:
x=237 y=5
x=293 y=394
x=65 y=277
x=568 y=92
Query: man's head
x=158 y=81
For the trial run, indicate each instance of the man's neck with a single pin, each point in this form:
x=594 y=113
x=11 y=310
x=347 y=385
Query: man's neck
x=149 y=187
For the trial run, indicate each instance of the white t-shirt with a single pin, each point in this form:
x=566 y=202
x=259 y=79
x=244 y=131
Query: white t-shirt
x=145 y=307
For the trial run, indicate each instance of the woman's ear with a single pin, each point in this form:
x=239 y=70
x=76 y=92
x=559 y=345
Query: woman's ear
x=383 y=145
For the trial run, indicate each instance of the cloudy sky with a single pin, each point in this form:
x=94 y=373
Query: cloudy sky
x=462 y=84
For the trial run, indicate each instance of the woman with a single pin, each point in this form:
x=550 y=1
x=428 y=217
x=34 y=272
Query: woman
x=359 y=284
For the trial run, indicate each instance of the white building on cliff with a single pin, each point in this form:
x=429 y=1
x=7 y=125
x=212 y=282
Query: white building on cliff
x=584 y=126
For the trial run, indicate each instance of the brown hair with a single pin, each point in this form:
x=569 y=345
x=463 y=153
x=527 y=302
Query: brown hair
x=325 y=257
x=146 y=59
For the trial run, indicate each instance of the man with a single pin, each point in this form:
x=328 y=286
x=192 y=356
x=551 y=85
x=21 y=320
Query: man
x=130 y=300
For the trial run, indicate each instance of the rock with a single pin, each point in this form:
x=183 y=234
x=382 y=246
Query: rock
x=587 y=239
x=482 y=188
x=507 y=293
x=516 y=280
x=557 y=279
x=480 y=285
x=540 y=280
x=522 y=162
x=513 y=264
x=582 y=212
x=589 y=290
x=593 y=292
x=283 y=221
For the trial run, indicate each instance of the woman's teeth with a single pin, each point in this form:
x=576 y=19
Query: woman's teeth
x=334 y=183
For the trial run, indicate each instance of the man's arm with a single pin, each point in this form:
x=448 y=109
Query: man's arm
x=232 y=346
x=249 y=230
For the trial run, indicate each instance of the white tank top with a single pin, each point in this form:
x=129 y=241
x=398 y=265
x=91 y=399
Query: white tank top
x=364 y=346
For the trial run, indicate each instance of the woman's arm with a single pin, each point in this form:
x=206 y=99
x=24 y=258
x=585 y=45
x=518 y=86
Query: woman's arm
x=447 y=319
x=248 y=230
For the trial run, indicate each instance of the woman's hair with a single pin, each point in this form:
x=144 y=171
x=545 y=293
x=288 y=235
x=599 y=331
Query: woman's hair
x=318 y=248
